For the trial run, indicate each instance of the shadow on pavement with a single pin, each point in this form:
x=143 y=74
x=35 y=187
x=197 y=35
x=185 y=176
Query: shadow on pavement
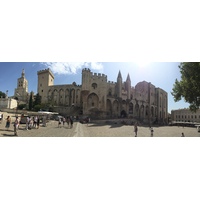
x=61 y=127
x=106 y=124
x=7 y=135
x=6 y=130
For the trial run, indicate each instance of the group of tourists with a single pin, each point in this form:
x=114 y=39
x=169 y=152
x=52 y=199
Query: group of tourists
x=15 y=124
x=136 y=130
x=32 y=122
x=63 y=120
x=151 y=130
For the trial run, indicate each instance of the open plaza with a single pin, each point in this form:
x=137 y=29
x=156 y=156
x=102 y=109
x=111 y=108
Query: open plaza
x=98 y=128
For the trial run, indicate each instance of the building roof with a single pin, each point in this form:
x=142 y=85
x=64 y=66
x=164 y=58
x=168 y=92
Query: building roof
x=119 y=75
x=128 y=78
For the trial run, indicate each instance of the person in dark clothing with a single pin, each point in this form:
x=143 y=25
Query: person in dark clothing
x=151 y=129
x=135 y=129
x=38 y=122
x=71 y=122
x=8 y=121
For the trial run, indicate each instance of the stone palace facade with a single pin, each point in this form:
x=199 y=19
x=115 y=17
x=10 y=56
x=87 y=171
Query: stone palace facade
x=99 y=98
x=185 y=115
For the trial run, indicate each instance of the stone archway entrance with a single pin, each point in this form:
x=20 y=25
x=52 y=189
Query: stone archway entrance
x=109 y=108
x=123 y=114
x=93 y=101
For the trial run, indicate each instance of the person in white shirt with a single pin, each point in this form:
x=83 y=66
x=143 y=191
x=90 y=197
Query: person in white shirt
x=27 y=122
x=35 y=122
x=16 y=125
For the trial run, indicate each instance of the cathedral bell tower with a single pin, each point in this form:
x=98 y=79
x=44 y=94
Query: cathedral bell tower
x=21 y=92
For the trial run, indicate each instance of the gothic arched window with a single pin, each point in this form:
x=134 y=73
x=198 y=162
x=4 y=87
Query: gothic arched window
x=94 y=85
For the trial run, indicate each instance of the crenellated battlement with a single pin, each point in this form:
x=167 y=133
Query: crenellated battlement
x=112 y=82
x=94 y=75
x=99 y=75
x=45 y=71
x=86 y=70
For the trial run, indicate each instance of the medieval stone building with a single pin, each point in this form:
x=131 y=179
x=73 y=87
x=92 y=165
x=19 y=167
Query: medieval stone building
x=185 y=115
x=99 y=98
x=65 y=99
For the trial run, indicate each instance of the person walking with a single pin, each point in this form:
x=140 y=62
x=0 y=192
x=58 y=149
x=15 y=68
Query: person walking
x=35 y=122
x=64 y=120
x=88 y=120
x=16 y=126
x=30 y=123
x=71 y=122
x=68 y=121
x=8 y=121
x=136 y=129
x=151 y=129
x=38 y=122
x=27 y=122
x=59 y=123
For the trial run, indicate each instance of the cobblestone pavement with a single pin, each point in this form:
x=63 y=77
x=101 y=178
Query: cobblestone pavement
x=51 y=130
x=99 y=129
x=106 y=130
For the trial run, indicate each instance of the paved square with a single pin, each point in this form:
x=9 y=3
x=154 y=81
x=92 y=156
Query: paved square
x=96 y=129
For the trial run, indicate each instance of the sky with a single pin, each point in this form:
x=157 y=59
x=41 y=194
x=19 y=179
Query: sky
x=160 y=74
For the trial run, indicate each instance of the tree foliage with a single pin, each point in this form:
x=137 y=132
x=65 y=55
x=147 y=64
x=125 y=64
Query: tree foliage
x=21 y=106
x=188 y=87
x=2 y=94
x=31 y=101
x=37 y=99
x=37 y=108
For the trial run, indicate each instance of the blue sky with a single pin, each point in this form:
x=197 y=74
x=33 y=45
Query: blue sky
x=160 y=74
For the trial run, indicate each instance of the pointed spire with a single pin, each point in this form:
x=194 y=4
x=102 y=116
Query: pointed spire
x=23 y=73
x=128 y=78
x=119 y=75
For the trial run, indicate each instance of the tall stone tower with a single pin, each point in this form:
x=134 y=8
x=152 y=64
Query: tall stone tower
x=86 y=76
x=119 y=85
x=128 y=87
x=21 y=92
x=94 y=93
x=45 y=79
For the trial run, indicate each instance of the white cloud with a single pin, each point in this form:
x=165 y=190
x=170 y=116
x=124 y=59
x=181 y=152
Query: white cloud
x=96 y=66
x=72 y=67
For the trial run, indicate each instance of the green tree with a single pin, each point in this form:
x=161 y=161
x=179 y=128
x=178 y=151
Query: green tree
x=188 y=88
x=21 y=106
x=31 y=101
x=37 y=100
x=37 y=108
x=2 y=94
